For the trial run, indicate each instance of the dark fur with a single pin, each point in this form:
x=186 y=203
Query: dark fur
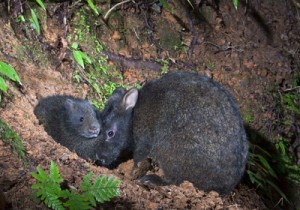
x=186 y=123
x=115 y=140
x=72 y=122
x=191 y=126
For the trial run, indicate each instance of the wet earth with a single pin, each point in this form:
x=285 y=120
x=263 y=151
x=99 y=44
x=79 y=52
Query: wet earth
x=253 y=51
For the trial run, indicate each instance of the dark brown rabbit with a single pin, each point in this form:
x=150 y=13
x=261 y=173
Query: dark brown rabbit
x=72 y=122
x=191 y=127
x=186 y=123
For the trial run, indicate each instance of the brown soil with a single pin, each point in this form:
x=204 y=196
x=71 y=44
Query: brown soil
x=251 y=51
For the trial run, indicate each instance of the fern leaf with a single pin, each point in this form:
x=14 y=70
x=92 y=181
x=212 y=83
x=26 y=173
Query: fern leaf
x=40 y=176
x=90 y=198
x=54 y=173
x=76 y=201
x=49 y=195
x=86 y=186
x=52 y=201
x=112 y=186
x=274 y=186
x=101 y=182
x=36 y=186
x=48 y=189
x=86 y=182
x=105 y=188
x=98 y=182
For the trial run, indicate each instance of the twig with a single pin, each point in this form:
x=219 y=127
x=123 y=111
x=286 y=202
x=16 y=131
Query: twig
x=279 y=202
x=225 y=48
x=137 y=36
x=133 y=62
x=290 y=89
x=116 y=5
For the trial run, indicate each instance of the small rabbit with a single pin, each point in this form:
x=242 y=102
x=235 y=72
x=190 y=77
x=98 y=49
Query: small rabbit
x=72 y=122
x=186 y=123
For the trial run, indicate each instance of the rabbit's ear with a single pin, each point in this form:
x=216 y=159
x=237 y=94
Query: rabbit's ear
x=69 y=104
x=130 y=98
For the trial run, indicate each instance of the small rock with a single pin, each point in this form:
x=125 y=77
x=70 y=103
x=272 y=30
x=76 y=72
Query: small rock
x=116 y=36
x=152 y=205
x=264 y=72
x=64 y=157
x=249 y=64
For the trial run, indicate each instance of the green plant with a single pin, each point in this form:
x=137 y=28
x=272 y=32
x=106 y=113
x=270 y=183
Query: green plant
x=286 y=163
x=181 y=46
x=91 y=72
x=279 y=156
x=235 y=3
x=20 y=19
x=167 y=6
x=93 y=68
x=80 y=56
x=248 y=118
x=40 y=2
x=261 y=174
x=8 y=71
x=209 y=64
x=34 y=22
x=101 y=77
x=165 y=65
x=10 y=137
x=92 y=6
x=287 y=107
x=292 y=102
x=50 y=192
x=265 y=170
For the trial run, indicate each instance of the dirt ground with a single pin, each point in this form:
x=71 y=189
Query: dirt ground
x=251 y=51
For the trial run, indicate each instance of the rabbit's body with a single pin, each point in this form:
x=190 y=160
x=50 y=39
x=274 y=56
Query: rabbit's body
x=186 y=123
x=71 y=122
x=191 y=126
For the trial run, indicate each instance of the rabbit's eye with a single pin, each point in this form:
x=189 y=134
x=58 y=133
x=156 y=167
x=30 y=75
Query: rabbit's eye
x=111 y=134
x=81 y=119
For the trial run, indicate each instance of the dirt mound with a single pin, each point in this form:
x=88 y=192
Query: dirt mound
x=16 y=179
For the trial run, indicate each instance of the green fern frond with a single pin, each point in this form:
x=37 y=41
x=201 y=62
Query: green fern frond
x=54 y=173
x=49 y=190
x=103 y=189
x=40 y=176
x=113 y=186
x=76 y=201
x=86 y=182
x=48 y=187
x=106 y=188
x=86 y=186
x=7 y=134
x=52 y=201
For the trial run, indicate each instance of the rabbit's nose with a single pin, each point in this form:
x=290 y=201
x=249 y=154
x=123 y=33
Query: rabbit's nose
x=99 y=161
x=94 y=129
